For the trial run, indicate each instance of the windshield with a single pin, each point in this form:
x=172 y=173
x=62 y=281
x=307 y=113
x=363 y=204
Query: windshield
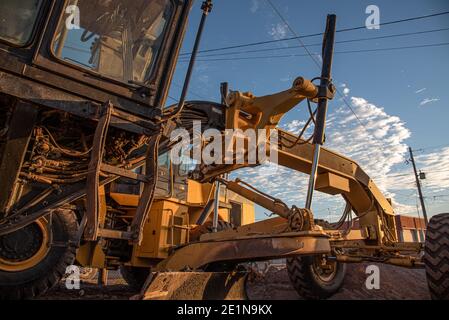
x=119 y=39
x=17 y=20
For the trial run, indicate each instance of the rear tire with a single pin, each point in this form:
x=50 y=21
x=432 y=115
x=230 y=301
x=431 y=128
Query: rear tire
x=436 y=256
x=311 y=281
x=26 y=271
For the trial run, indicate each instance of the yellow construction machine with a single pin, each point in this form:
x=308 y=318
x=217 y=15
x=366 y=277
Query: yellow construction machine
x=86 y=174
x=181 y=211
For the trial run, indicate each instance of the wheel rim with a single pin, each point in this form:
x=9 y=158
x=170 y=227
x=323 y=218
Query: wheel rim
x=324 y=269
x=25 y=248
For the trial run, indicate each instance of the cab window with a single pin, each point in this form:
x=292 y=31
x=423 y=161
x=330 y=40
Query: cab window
x=119 y=39
x=18 y=19
x=163 y=180
x=130 y=186
x=186 y=166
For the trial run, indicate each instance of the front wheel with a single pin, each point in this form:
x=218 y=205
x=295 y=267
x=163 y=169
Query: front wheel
x=34 y=258
x=315 y=277
x=436 y=256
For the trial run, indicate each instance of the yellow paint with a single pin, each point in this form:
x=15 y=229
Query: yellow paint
x=124 y=199
x=16 y=266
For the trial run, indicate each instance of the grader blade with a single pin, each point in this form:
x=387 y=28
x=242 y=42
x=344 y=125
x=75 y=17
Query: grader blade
x=195 y=286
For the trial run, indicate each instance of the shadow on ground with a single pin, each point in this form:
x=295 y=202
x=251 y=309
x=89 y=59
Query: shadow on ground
x=396 y=283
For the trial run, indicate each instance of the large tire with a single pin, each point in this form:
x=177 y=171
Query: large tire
x=310 y=282
x=135 y=276
x=25 y=270
x=436 y=256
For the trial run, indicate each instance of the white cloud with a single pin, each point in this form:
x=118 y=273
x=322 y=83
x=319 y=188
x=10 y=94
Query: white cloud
x=428 y=100
x=294 y=126
x=348 y=137
x=255 y=4
x=379 y=147
x=420 y=90
x=278 y=31
x=346 y=90
x=204 y=79
x=436 y=167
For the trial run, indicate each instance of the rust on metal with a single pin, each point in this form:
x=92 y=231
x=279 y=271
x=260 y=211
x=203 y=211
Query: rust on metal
x=196 y=286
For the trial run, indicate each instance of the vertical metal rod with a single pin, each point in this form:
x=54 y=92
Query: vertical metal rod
x=418 y=184
x=207 y=8
x=103 y=277
x=216 y=206
x=323 y=96
x=63 y=36
x=224 y=93
x=313 y=174
x=224 y=90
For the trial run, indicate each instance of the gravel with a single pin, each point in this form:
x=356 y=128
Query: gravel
x=396 y=283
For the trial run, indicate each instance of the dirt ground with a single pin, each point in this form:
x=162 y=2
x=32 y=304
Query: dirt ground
x=395 y=284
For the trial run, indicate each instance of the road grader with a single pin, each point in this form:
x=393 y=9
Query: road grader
x=86 y=177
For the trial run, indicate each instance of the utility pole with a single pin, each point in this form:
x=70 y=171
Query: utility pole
x=418 y=184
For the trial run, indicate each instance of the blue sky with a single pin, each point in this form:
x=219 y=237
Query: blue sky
x=400 y=96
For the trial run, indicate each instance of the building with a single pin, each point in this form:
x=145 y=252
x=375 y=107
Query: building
x=410 y=229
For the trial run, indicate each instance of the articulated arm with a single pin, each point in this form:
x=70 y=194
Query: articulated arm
x=336 y=173
x=247 y=111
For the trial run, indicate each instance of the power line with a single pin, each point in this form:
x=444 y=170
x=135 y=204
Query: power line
x=319 y=44
x=337 y=52
x=342 y=96
x=436 y=171
x=392 y=176
x=408 y=195
x=190 y=91
x=175 y=100
x=293 y=32
x=318 y=34
x=399 y=175
x=440 y=196
x=430 y=147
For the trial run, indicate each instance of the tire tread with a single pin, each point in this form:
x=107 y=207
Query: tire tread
x=436 y=256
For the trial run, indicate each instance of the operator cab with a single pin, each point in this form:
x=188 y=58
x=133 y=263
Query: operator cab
x=116 y=39
x=172 y=182
x=125 y=49
x=19 y=19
